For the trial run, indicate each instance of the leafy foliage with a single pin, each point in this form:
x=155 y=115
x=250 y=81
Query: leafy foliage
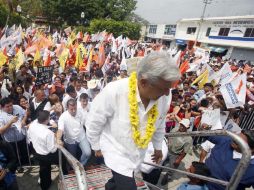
x=70 y=10
x=112 y=15
x=126 y=28
x=3 y=15
x=14 y=18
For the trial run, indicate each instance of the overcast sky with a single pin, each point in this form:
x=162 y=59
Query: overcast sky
x=169 y=11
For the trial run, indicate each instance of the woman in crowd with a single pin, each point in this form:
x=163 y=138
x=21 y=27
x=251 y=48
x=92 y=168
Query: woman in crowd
x=18 y=93
x=53 y=99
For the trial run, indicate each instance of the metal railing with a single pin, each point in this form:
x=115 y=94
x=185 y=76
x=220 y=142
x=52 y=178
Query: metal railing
x=77 y=167
x=240 y=169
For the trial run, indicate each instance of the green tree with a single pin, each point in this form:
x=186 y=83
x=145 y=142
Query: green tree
x=125 y=28
x=3 y=15
x=118 y=9
x=14 y=18
x=70 y=10
x=32 y=8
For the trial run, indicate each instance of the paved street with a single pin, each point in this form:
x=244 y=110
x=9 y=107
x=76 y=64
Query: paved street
x=29 y=179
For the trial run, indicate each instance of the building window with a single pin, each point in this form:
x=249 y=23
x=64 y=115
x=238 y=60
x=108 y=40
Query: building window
x=152 y=29
x=170 y=30
x=208 y=31
x=191 y=30
x=224 y=31
x=249 y=32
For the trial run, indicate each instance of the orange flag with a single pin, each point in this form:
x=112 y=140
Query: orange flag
x=239 y=87
x=90 y=58
x=47 y=61
x=101 y=56
x=31 y=49
x=44 y=42
x=59 y=49
x=5 y=51
x=184 y=67
x=86 y=38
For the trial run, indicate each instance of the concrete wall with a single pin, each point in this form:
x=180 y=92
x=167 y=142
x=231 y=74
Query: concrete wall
x=159 y=33
x=235 y=37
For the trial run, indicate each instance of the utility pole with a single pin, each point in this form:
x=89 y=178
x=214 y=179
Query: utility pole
x=206 y=2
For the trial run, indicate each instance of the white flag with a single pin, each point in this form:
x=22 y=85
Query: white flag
x=114 y=47
x=234 y=92
x=232 y=126
x=107 y=65
x=225 y=73
x=212 y=117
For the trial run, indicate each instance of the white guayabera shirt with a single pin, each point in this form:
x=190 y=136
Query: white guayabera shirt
x=109 y=129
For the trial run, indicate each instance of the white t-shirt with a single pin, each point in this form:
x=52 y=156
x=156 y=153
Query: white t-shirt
x=84 y=111
x=72 y=127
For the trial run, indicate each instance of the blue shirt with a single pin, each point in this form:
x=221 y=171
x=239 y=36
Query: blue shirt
x=9 y=177
x=186 y=186
x=222 y=165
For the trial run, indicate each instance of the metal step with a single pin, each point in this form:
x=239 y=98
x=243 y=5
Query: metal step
x=71 y=182
x=96 y=178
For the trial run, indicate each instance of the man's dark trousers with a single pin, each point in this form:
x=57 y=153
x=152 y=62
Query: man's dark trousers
x=120 y=182
x=45 y=162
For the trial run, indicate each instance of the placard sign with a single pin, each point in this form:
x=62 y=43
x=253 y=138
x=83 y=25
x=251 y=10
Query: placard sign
x=44 y=75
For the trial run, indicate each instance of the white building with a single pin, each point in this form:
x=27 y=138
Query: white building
x=160 y=33
x=234 y=34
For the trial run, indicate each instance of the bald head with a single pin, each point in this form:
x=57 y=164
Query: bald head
x=39 y=95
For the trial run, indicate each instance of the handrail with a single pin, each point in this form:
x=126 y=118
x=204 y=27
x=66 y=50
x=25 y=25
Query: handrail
x=240 y=169
x=221 y=182
x=76 y=165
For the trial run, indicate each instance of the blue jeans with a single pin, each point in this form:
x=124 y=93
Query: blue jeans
x=85 y=149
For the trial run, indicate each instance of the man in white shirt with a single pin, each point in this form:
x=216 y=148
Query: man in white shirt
x=113 y=132
x=70 y=125
x=44 y=143
x=84 y=105
x=71 y=93
x=78 y=87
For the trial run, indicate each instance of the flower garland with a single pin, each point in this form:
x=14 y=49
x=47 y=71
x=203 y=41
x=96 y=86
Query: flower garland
x=141 y=142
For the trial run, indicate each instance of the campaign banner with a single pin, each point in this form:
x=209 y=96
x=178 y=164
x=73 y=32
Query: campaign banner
x=225 y=74
x=234 y=92
x=232 y=126
x=44 y=75
x=212 y=117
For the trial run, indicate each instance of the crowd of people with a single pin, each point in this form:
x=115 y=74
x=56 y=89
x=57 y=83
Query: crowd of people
x=85 y=106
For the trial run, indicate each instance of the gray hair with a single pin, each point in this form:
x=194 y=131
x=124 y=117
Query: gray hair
x=158 y=65
x=71 y=102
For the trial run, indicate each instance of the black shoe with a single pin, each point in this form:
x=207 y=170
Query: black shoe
x=165 y=179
